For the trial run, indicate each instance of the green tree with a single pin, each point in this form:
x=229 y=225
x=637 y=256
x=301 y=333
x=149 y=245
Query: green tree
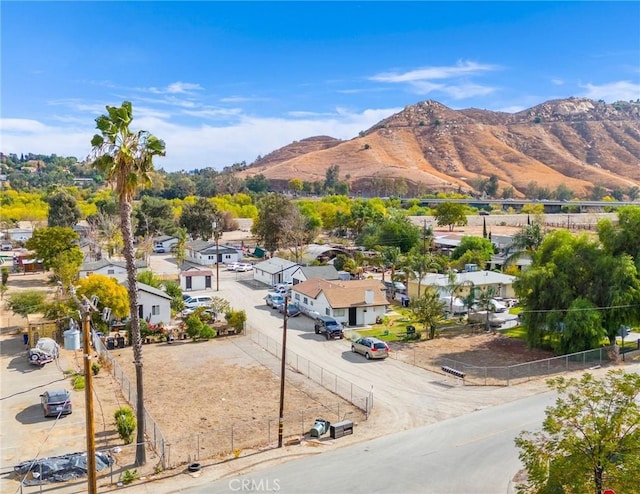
x=428 y=310
x=197 y=219
x=26 y=302
x=590 y=437
x=257 y=183
x=63 y=209
x=622 y=238
x=484 y=301
x=331 y=178
x=274 y=213
x=450 y=214
x=57 y=247
x=566 y=268
x=524 y=243
x=482 y=247
x=295 y=185
x=125 y=423
x=125 y=158
x=154 y=216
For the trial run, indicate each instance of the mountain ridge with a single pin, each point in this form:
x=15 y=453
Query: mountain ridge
x=576 y=142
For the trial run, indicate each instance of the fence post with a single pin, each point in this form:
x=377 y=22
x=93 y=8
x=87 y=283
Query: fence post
x=198 y=446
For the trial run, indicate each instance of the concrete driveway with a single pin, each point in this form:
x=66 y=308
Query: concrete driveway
x=25 y=433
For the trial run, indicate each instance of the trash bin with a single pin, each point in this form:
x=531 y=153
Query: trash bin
x=340 y=429
x=411 y=330
x=111 y=343
x=25 y=339
x=320 y=427
x=120 y=341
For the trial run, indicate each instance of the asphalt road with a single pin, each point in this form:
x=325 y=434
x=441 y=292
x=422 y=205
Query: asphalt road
x=474 y=454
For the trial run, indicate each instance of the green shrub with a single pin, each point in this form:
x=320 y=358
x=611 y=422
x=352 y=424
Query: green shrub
x=95 y=368
x=129 y=476
x=125 y=423
x=207 y=332
x=78 y=382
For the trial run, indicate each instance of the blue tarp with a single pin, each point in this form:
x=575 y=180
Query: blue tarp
x=59 y=468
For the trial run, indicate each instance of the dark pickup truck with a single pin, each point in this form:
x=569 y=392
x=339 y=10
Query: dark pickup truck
x=328 y=326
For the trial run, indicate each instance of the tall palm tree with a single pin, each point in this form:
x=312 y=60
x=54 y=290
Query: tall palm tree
x=524 y=243
x=126 y=159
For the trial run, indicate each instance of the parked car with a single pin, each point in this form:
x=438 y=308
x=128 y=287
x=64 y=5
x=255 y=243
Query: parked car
x=55 y=403
x=45 y=350
x=292 y=310
x=232 y=266
x=244 y=266
x=274 y=299
x=159 y=249
x=6 y=246
x=371 y=348
x=196 y=301
x=328 y=326
x=283 y=287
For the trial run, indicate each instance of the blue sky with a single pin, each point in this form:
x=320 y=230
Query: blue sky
x=225 y=82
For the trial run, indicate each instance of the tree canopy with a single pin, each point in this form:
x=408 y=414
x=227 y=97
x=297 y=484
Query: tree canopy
x=590 y=438
x=573 y=273
x=450 y=214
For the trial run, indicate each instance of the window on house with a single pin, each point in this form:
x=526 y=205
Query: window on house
x=111 y=271
x=155 y=310
x=305 y=300
x=327 y=311
x=338 y=312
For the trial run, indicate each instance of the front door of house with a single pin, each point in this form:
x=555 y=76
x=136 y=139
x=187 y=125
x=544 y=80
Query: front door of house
x=207 y=281
x=188 y=282
x=352 y=316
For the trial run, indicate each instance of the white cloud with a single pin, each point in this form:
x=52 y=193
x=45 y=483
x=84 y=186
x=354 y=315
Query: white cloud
x=613 y=91
x=557 y=82
x=190 y=147
x=20 y=125
x=430 y=73
x=177 y=88
x=428 y=80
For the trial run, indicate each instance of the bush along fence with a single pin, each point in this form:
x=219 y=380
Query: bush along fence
x=519 y=373
x=354 y=394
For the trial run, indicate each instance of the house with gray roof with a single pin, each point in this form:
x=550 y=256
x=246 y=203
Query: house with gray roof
x=466 y=281
x=206 y=253
x=154 y=306
x=109 y=267
x=304 y=273
x=273 y=271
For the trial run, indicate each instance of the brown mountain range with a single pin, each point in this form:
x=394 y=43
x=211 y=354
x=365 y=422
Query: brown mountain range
x=428 y=147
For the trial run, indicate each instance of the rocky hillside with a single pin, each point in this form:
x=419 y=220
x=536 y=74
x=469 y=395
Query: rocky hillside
x=426 y=147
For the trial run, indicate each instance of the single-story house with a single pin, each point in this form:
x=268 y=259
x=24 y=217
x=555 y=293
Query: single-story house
x=19 y=234
x=205 y=253
x=465 y=281
x=304 y=273
x=196 y=279
x=108 y=267
x=353 y=302
x=154 y=306
x=274 y=271
x=165 y=241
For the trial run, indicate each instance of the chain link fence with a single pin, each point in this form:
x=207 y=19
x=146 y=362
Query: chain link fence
x=520 y=373
x=354 y=394
x=152 y=430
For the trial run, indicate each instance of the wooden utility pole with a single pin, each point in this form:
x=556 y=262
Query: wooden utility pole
x=88 y=398
x=282 y=369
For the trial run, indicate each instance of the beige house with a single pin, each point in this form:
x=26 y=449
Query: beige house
x=352 y=302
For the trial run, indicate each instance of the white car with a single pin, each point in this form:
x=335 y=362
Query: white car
x=244 y=266
x=232 y=266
